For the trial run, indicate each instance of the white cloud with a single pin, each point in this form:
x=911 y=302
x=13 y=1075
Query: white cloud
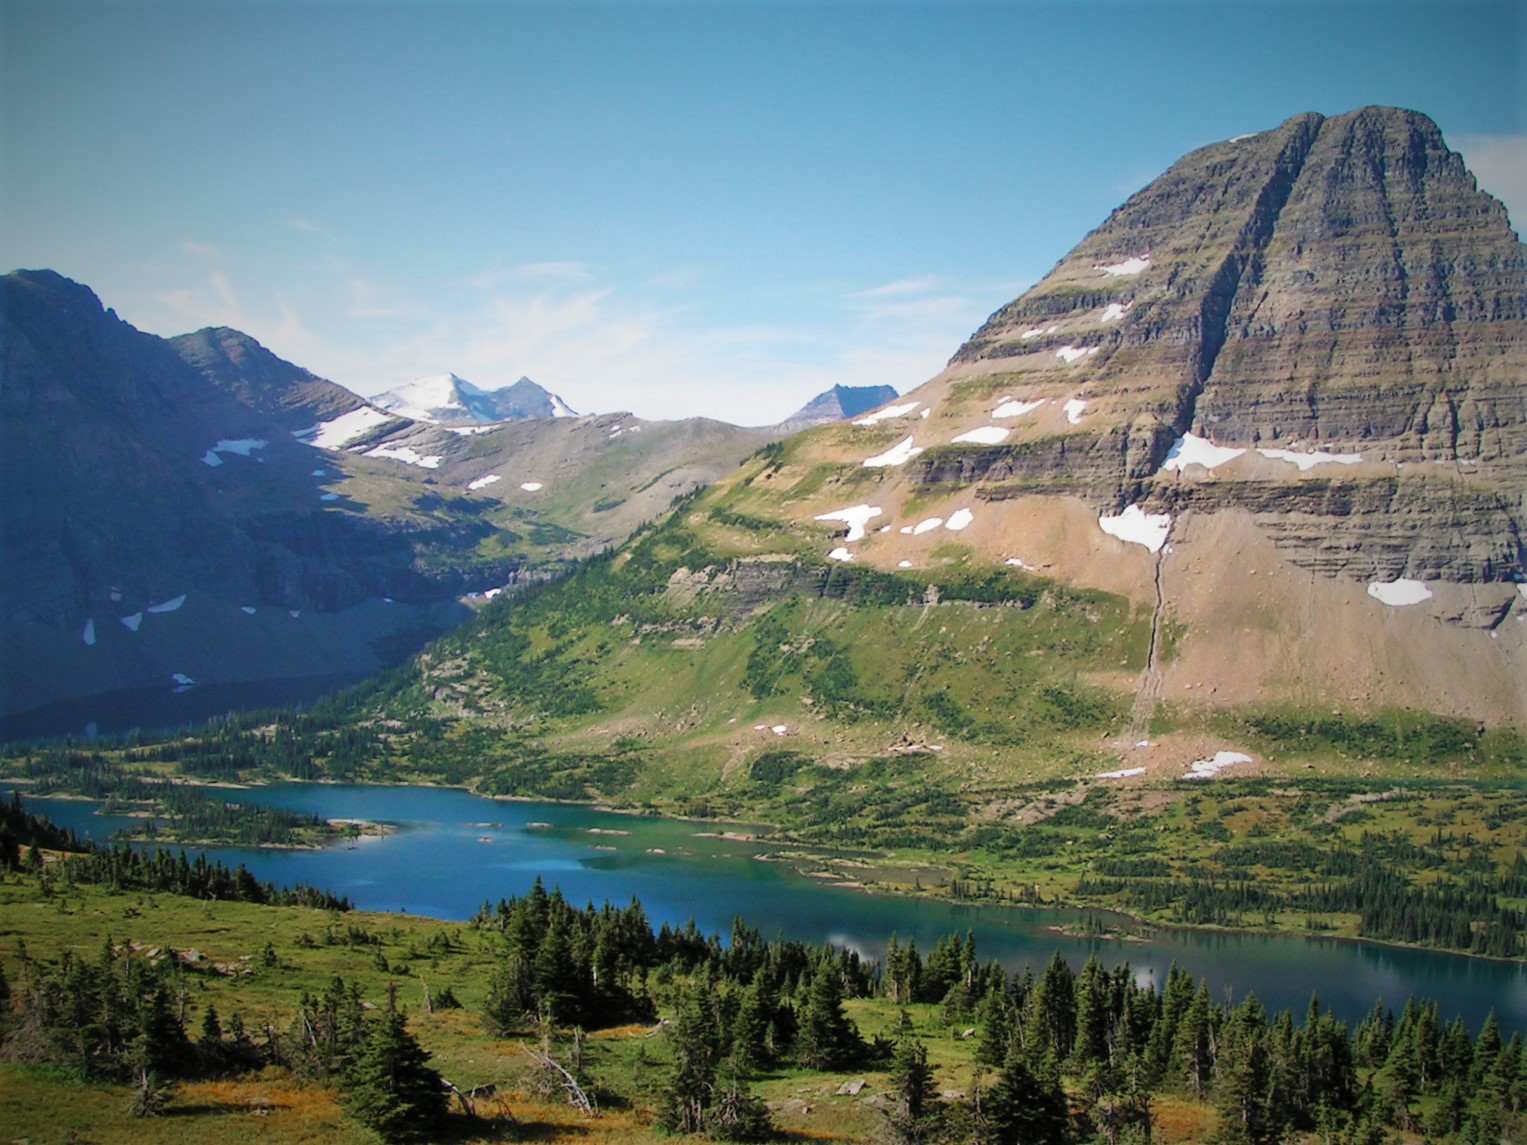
x=308 y=226
x=200 y=250
x=652 y=346
x=1499 y=163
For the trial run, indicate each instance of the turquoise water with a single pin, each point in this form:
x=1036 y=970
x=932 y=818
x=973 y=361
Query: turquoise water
x=452 y=851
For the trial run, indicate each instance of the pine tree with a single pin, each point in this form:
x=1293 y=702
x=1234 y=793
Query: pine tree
x=1024 y=1107
x=391 y=1088
x=912 y=1091
x=827 y=1039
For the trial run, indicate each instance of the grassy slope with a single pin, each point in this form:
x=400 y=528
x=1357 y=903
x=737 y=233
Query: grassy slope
x=43 y=1105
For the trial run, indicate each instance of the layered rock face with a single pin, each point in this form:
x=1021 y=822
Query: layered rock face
x=1337 y=285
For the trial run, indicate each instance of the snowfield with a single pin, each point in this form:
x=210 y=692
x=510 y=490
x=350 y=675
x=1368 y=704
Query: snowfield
x=959 y=519
x=407 y=455
x=840 y=554
x=899 y=454
x=856 y=517
x=1069 y=354
x=1074 y=409
x=1399 y=593
x=1010 y=408
x=1114 y=312
x=986 y=435
x=1130 y=266
x=1308 y=461
x=338 y=432
x=1138 y=527
x=169 y=605
x=484 y=482
x=1209 y=768
x=888 y=412
x=1190 y=449
x=531 y=486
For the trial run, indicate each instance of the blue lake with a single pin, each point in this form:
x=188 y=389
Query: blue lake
x=452 y=851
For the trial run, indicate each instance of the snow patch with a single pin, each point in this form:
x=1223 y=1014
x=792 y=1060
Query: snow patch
x=1012 y=408
x=1138 y=527
x=329 y=497
x=169 y=605
x=407 y=455
x=484 y=482
x=559 y=408
x=320 y=473
x=1522 y=588
x=89 y=633
x=469 y=430
x=1130 y=266
x=779 y=729
x=182 y=679
x=131 y=622
x=340 y=431
x=959 y=519
x=1190 y=449
x=1114 y=312
x=248 y=608
x=856 y=517
x=1209 y=768
x=927 y=413
x=1019 y=563
x=531 y=486
x=922 y=527
x=1307 y=461
x=903 y=564
x=1122 y=773
x=1074 y=408
x=888 y=412
x=211 y=458
x=294 y=613
x=1069 y=354
x=986 y=435
x=899 y=454
x=1398 y=593
x=840 y=554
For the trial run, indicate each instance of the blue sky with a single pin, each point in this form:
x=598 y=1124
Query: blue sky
x=676 y=208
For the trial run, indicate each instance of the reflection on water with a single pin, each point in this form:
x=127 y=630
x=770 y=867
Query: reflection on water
x=453 y=851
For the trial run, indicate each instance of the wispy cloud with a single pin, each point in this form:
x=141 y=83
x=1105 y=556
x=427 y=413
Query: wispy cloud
x=652 y=345
x=373 y=299
x=200 y=250
x=306 y=225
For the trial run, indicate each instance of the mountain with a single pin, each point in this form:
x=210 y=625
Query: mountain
x=445 y=399
x=1238 y=483
x=839 y=404
x=236 y=364
x=199 y=509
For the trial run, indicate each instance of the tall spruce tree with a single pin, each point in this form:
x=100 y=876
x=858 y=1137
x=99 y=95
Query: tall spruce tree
x=391 y=1088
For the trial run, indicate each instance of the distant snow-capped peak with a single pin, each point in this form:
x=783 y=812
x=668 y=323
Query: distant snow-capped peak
x=445 y=399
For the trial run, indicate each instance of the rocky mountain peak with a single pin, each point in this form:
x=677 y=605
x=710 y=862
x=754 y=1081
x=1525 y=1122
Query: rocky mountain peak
x=446 y=399
x=839 y=404
x=1336 y=284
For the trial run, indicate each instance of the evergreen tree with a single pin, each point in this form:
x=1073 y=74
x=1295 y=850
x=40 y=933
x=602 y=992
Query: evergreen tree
x=826 y=1039
x=691 y=1086
x=391 y=1087
x=1024 y=1107
x=912 y=1117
